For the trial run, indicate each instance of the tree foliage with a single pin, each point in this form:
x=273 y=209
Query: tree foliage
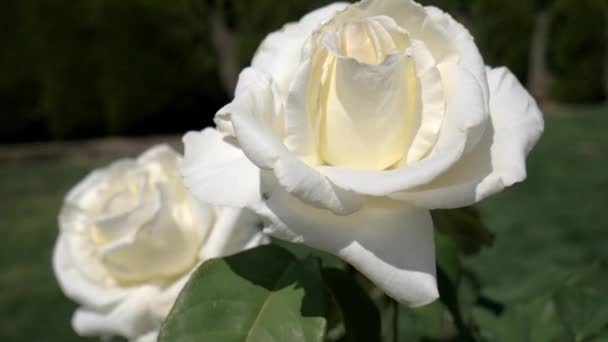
x=577 y=50
x=74 y=69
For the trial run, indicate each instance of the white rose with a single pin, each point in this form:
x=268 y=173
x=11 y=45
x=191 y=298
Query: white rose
x=364 y=117
x=130 y=236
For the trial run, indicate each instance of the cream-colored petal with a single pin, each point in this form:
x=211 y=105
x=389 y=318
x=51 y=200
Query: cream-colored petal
x=388 y=36
x=234 y=231
x=406 y=13
x=159 y=161
x=432 y=103
x=279 y=53
x=464 y=122
x=267 y=152
x=216 y=171
x=363 y=122
x=130 y=318
x=251 y=107
x=82 y=248
x=389 y=242
x=300 y=136
x=447 y=39
x=370 y=40
x=88 y=193
x=106 y=228
x=75 y=285
x=159 y=249
x=356 y=42
x=458 y=187
x=386 y=182
x=465 y=107
x=518 y=124
x=149 y=337
x=454 y=39
x=499 y=158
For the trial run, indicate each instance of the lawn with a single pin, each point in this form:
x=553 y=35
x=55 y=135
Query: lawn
x=32 y=307
x=547 y=227
x=555 y=222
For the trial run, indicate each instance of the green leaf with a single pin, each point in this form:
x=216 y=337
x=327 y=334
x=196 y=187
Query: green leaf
x=263 y=295
x=302 y=251
x=584 y=310
x=465 y=227
x=359 y=313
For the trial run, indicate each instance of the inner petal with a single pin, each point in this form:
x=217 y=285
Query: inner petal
x=432 y=105
x=370 y=40
x=115 y=223
x=356 y=42
x=159 y=249
x=365 y=117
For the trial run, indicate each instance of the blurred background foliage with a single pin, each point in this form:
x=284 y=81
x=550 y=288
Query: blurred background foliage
x=83 y=68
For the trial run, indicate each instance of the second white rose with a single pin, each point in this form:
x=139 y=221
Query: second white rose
x=131 y=235
x=359 y=119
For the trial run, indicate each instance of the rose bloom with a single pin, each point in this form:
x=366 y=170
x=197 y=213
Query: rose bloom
x=358 y=120
x=130 y=236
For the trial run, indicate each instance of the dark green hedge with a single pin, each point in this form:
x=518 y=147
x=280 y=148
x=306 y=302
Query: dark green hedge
x=577 y=53
x=503 y=32
x=81 y=68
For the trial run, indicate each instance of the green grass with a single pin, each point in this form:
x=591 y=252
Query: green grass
x=556 y=221
x=552 y=224
x=32 y=308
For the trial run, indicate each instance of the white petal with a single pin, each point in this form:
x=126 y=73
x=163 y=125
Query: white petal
x=159 y=249
x=255 y=101
x=302 y=100
x=368 y=40
x=466 y=107
x=87 y=194
x=158 y=154
x=76 y=286
x=300 y=137
x=279 y=53
x=113 y=227
x=499 y=158
x=110 y=310
x=518 y=124
x=149 y=337
x=432 y=103
x=386 y=182
x=406 y=13
x=458 y=186
x=218 y=172
x=454 y=39
x=129 y=319
x=389 y=242
x=464 y=123
x=234 y=231
x=266 y=151
x=365 y=114
x=445 y=37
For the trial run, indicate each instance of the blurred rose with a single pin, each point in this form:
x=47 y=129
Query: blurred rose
x=361 y=118
x=130 y=237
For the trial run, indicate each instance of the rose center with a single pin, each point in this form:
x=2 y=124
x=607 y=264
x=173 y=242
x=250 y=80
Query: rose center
x=370 y=40
x=154 y=241
x=363 y=108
